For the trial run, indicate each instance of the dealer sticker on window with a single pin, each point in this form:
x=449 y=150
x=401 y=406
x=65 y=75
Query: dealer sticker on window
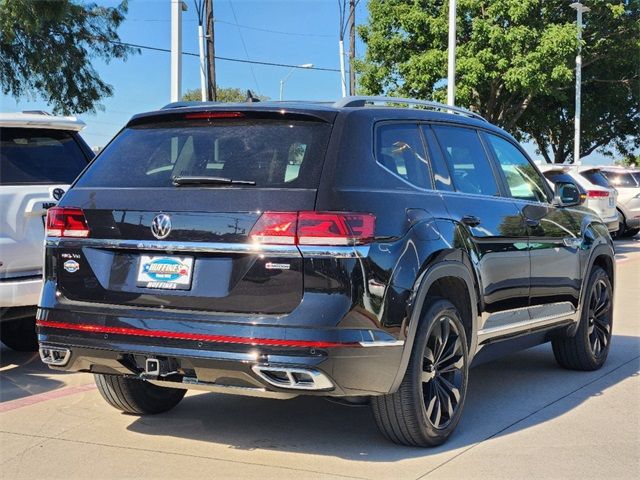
x=171 y=273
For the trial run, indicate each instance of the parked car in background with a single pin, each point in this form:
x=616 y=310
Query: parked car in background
x=627 y=183
x=355 y=250
x=40 y=155
x=598 y=195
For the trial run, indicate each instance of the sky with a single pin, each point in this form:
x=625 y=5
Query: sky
x=292 y=32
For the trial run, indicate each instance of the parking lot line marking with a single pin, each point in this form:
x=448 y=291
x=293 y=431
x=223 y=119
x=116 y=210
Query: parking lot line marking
x=44 y=397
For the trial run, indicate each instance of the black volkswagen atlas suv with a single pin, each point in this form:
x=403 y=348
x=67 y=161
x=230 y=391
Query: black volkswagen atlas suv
x=363 y=250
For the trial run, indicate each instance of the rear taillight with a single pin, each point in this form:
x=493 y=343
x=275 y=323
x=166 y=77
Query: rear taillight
x=314 y=228
x=275 y=228
x=597 y=193
x=66 y=222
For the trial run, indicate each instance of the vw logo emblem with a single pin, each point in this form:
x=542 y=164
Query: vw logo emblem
x=57 y=193
x=161 y=226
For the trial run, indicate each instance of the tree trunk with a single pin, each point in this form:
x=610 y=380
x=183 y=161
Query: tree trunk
x=211 y=52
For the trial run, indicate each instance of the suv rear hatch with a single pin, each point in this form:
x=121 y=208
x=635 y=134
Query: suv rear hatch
x=170 y=205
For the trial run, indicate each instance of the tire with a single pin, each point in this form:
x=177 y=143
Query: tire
x=415 y=414
x=20 y=334
x=589 y=348
x=137 y=396
x=622 y=228
x=632 y=232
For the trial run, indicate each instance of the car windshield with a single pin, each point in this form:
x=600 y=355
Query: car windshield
x=39 y=156
x=265 y=153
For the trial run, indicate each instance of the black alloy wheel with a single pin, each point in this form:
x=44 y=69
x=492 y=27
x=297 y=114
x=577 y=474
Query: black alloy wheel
x=443 y=372
x=427 y=406
x=589 y=347
x=599 y=328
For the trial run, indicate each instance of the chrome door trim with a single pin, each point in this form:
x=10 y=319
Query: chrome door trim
x=541 y=317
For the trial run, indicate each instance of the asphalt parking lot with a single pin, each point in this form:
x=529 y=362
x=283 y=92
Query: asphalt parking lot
x=525 y=418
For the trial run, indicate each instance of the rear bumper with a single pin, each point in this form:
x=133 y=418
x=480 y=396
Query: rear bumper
x=20 y=292
x=227 y=358
x=613 y=225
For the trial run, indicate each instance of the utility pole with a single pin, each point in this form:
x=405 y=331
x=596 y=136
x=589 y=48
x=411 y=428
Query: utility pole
x=211 y=52
x=352 y=46
x=451 y=67
x=580 y=9
x=199 y=5
x=177 y=7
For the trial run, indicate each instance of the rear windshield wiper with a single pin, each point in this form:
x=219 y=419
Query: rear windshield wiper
x=202 y=180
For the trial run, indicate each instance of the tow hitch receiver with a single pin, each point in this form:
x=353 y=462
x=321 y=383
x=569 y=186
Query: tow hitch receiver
x=159 y=367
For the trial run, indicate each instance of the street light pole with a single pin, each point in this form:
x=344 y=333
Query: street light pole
x=177 y=7
x=580 y=9
x=286 y=77
x=451 y=67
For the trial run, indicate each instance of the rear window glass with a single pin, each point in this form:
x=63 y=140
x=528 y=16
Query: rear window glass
x=399 y=149
x=271 y=153
x=620 y=179
x=39 y=156
x=597 y=178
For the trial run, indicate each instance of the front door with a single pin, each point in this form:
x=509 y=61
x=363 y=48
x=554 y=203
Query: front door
x=554 y=233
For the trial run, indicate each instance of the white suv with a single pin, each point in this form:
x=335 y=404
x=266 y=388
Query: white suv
x=40 y=155
x=627 y=182
x=599 y=196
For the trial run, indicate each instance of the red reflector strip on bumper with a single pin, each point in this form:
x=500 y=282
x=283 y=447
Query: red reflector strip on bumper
x=192 y=336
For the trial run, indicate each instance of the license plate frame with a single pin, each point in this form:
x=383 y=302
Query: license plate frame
x=164 y=272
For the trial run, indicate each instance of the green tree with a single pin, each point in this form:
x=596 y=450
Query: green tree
x=47 y=48
x=226 y=95
x=629 y=161
x=515 y=65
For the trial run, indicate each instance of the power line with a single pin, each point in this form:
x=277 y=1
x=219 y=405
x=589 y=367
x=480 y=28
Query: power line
x=279 y=32
x=244 y=46
x=226 y=59
x=246 y=27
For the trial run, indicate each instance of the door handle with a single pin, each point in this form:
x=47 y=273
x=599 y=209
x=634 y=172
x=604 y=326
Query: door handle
x=471 y=220
x=532 y=222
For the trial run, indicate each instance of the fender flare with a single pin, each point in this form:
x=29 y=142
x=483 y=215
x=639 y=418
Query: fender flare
x=600 y=249
x=449 y=268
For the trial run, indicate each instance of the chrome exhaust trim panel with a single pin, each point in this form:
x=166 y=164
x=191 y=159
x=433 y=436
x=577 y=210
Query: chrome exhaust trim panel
x=54 y=355
x=294 y=378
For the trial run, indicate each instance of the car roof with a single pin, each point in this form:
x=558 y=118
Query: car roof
x=372 y=108
x=40 y=120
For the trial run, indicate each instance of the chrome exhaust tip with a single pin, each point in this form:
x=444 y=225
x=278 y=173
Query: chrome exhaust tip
x=293 y=378
x=54 y=355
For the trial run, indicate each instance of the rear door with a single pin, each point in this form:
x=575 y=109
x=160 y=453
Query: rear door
x=36 y=167
x=490 y=226
x=171 y=204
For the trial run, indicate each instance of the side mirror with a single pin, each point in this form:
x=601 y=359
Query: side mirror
x=567 y=194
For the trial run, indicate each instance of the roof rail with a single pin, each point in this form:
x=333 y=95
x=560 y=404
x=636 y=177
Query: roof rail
x=363 y=101
x=36 y=112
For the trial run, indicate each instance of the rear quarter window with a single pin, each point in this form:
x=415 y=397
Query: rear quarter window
x=39 y=156
x=271 y=153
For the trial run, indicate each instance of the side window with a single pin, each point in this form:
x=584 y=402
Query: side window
x=441 y=175
x=523 y=180
x=399 y=149
x=467 y=161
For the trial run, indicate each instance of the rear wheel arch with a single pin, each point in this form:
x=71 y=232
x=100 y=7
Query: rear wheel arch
x=602 y=256
x=450 y=280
